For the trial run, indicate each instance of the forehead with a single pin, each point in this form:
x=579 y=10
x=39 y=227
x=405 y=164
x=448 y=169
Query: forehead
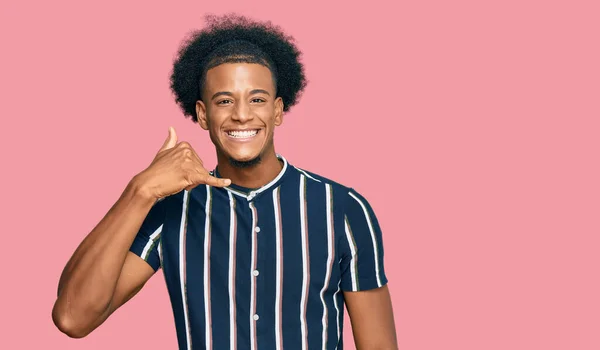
x=238 y=76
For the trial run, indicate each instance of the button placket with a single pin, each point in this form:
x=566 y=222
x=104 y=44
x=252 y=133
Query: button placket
x=256 y=273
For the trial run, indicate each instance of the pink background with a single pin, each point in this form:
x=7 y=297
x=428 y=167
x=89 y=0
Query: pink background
x=471 y=126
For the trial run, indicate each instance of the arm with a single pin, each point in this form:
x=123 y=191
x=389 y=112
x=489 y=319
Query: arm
x=102 y=274
x=363 y=280
x=372 y=319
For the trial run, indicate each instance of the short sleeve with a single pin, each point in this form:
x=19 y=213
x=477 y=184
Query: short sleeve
x=146 y=242
x=362 y=249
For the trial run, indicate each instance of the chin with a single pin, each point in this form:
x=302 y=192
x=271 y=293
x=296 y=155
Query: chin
x=245 y=162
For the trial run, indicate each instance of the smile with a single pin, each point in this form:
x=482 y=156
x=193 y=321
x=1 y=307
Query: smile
x=242 y=134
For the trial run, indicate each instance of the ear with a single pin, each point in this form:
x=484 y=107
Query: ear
x=278 y=111
x=201 y=113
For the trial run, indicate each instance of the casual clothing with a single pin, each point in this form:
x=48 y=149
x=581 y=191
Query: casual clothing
x=265 y=268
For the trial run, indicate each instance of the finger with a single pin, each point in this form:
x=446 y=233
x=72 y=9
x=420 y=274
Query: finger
x=171 y=140
x=216 y=182
x=206 y=178
x=210 y=181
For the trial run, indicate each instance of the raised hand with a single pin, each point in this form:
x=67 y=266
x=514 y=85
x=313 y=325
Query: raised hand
x=176 y=167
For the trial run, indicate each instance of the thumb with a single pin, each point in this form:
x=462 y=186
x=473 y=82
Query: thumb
x=171 y=140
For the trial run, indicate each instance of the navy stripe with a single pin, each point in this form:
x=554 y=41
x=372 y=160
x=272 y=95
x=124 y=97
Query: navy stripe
x=219 y=283
x=292 y=261
x=195 y=266
x=242 y=282
x=266 y=265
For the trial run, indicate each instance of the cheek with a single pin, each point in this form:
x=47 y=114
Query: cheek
x=266 y=114
x=214 y=119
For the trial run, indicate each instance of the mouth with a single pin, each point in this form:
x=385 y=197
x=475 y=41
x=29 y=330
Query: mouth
x=242 y=134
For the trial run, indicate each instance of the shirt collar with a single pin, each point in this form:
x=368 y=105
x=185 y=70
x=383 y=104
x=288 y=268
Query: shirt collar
x=251 y=193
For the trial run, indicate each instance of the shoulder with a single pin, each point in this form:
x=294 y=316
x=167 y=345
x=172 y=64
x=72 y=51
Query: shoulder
x=336 y=186
x=341 y=191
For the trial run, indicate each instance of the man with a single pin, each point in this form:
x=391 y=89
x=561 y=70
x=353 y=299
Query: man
x=257 y=254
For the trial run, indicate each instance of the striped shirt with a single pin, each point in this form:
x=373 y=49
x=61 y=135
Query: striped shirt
x=264 y=268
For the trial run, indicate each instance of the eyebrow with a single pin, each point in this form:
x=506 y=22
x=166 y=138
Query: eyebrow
x=227 y=93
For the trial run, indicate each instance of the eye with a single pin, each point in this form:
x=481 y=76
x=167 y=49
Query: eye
x=257 y=100
x=224 y=102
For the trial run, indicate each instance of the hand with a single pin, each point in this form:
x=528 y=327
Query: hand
x=175 y=167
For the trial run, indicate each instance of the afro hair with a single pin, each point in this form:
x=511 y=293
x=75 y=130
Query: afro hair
x=234 y=39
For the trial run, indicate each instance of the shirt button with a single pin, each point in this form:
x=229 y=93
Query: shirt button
x=255 y=317
x=255 y=272
x=257 y=229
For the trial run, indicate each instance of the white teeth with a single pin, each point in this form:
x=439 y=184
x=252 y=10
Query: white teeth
x=242 y=133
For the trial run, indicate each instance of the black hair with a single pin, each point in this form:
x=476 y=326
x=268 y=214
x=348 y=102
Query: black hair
x=234 y=39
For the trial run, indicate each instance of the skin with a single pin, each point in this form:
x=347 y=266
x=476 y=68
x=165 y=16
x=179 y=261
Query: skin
x=102 y=274
x=372 y=319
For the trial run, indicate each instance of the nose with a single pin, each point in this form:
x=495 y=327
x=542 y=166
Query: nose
x=242 y=112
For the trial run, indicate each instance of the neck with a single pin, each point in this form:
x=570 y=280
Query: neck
x=252 y=177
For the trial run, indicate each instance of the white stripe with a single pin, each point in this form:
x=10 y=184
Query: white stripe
x=252 y=281
x=207 y=306
x=306 y=174
x=160 y=253
x=182 y=267
x=304 y=262
x=265 y=187
x=353 y=254
x=238 y=193
x=277 y=269
x=375 y=253
x=329 y=259
x=337 y=309
x=231 y=284
x=151 y=242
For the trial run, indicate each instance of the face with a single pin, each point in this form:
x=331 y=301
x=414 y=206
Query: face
x=240 y=110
